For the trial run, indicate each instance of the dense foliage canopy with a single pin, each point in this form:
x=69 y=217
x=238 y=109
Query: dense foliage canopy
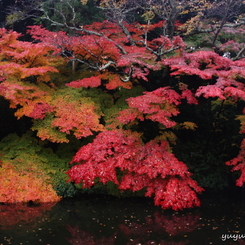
x=144 y=100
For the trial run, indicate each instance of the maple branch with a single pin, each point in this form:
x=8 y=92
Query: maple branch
x=220 y=27
x=74 y=27
x=73 y=11
x=214 y=27
x=61 y=14
x=116 y=11
x=160 y=52
x=226 y=10
x=165 y=10
x=118 y=14
x=46 y=17
x=127 y=77
x=126 y=32
x=107 y=65
x=94 y=67
x=239 y=55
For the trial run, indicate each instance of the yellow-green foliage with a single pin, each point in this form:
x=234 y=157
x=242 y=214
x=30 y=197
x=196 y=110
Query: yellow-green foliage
x=46 y=131
x=30 y=156
x=12 y=18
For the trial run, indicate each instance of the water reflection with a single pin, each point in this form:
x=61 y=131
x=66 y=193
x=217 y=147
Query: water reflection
x=160 y=225
x=81 y=237
x=150 y=231
x=108 y=221
x=22 y=214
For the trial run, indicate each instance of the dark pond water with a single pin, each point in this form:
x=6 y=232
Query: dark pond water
x=110 y=221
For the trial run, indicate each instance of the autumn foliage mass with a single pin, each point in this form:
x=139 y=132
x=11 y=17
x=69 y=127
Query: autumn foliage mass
x=126 y=106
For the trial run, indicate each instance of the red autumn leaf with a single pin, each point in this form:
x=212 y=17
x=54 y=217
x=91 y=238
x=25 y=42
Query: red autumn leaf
x=158 y=105
x=91 y=82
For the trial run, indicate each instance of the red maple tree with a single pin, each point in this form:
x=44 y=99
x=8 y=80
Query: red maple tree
x=104 y=47
x=151 y=167
x=224 y=78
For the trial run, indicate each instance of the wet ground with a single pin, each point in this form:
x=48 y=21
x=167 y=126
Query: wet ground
x=111 y=221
